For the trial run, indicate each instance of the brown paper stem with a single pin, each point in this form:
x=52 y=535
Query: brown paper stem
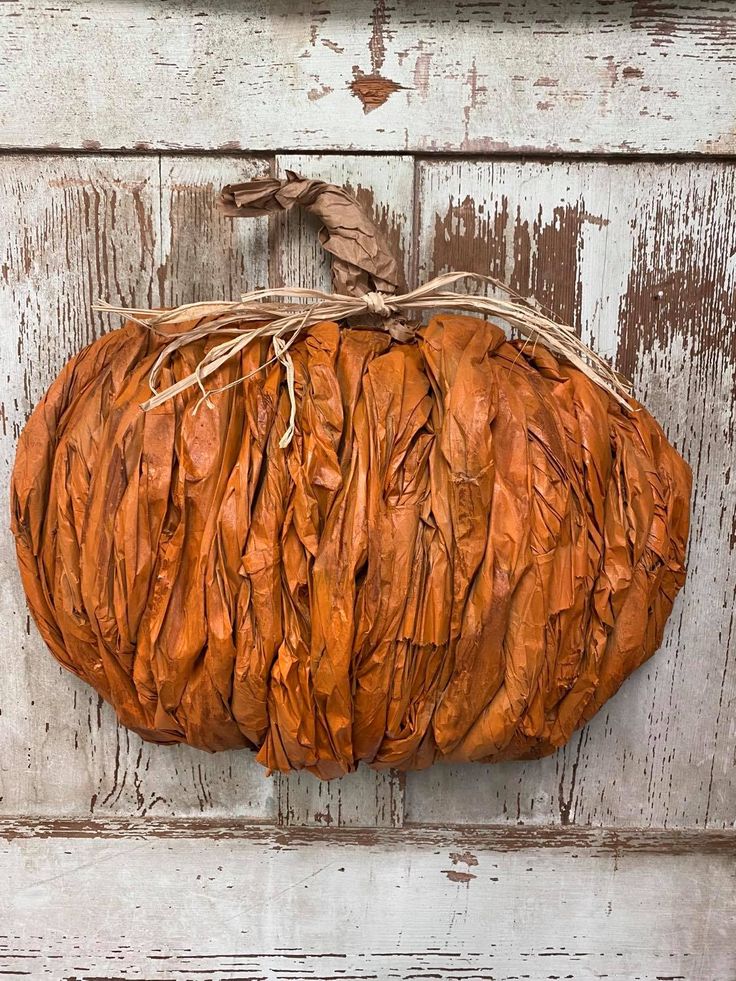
x=362 y=261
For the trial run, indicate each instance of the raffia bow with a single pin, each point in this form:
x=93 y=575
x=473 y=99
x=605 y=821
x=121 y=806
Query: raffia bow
x=283 y=322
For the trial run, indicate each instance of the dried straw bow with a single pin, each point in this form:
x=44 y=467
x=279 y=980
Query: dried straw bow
x=284 y=322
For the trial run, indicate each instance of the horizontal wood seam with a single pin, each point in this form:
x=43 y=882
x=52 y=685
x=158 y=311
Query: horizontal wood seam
x=663 y=157
x=496 y=837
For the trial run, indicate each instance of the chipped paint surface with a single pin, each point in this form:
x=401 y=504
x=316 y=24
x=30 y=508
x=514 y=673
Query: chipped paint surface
x=465 y=858
x=360 y=75
x=183 y=909
x=546 y=869
x=147 y=228
x=72 y=231
x=462 y=844
x=455 y=876
x=372 y=90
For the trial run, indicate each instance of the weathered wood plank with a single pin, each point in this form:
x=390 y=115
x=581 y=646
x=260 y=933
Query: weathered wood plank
x=596 y=242
x=191 y=253
x=362 y=799
x=385 y=187
x=72 y=231
x=640 y=257
x=472 y=77
x=204 y=255
x=332 y=908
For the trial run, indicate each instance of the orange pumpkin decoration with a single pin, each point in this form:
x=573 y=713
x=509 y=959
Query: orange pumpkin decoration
x=461 y=554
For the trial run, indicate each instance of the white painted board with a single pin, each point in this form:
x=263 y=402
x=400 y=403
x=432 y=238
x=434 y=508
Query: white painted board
x=73 y=230
x=262 y=906
x=354 y=75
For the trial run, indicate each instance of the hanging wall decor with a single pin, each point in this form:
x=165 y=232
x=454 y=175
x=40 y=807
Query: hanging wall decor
x=311 y=525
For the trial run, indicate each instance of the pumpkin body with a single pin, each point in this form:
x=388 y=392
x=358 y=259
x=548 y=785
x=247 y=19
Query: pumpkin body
x=461 y=555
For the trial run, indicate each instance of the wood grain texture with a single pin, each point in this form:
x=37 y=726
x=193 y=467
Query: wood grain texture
x=74 y=230
x=385 y=188
x=204 y=255
x=640 y=257
x=330 y=908
x=470 y=76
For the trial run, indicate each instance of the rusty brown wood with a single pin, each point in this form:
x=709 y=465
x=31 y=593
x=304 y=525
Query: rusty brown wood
x=497 y=838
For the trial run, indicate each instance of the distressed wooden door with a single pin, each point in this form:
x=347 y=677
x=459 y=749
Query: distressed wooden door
x=584 y=152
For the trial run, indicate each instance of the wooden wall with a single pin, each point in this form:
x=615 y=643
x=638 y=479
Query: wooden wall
x=581 y=152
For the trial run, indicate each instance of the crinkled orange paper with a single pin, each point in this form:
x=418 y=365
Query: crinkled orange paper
x=462 y=554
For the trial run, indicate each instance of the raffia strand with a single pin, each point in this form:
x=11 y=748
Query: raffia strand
x=283 y=321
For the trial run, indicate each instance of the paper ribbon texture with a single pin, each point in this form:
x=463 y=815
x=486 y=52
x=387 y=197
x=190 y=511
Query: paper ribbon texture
x=462 y=553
